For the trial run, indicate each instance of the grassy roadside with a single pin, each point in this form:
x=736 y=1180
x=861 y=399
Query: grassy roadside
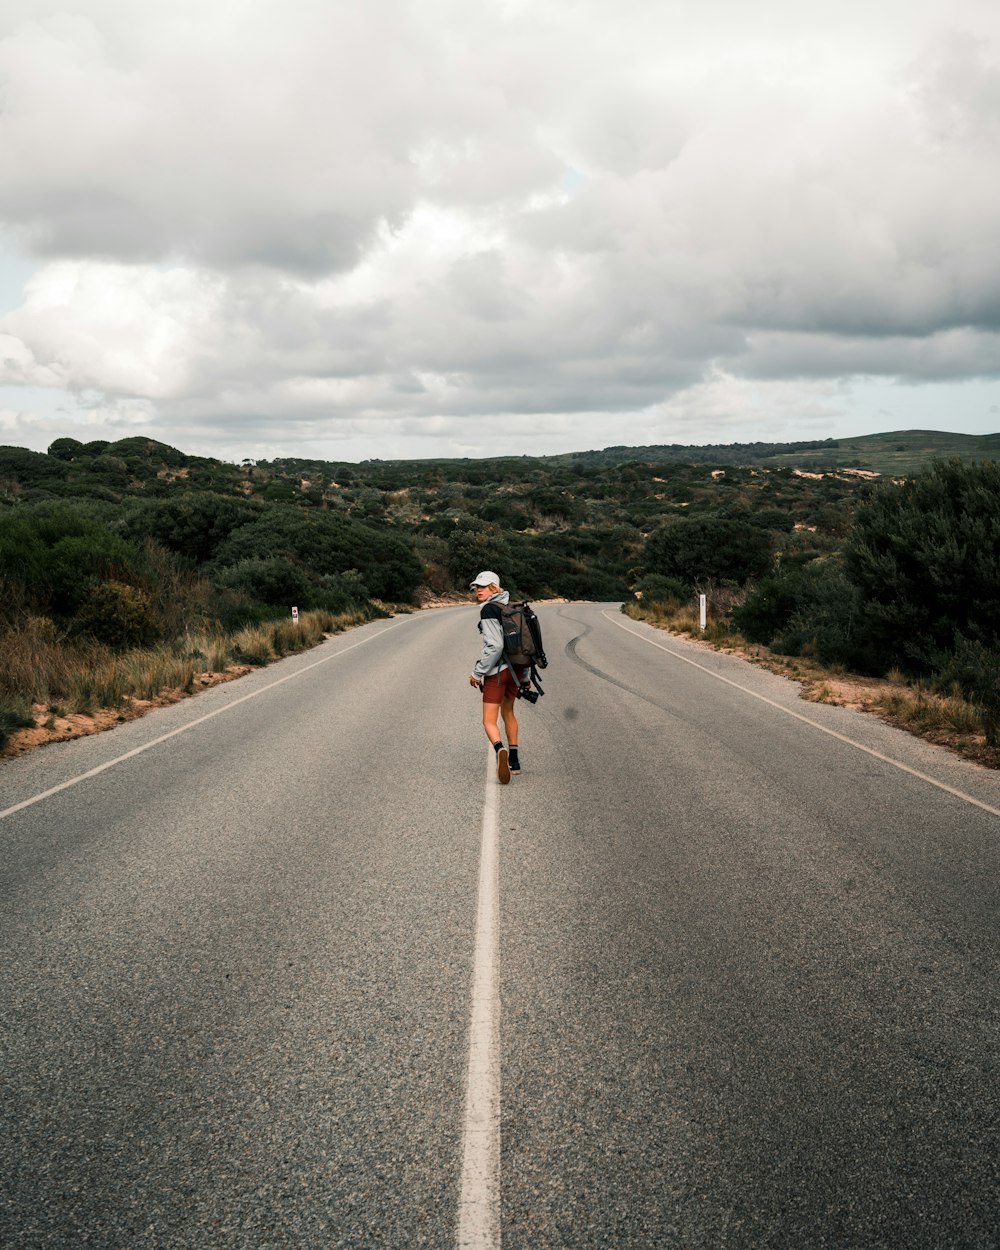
x=51 y=690
x=946 y=720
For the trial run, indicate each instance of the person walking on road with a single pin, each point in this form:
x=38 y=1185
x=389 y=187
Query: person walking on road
x=494 y=676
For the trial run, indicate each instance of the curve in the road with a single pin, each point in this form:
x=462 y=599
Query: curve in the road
x=571 y=654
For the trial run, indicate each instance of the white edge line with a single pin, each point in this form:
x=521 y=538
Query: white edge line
x=905 y=768
x=479 y=1195
x=93 y=772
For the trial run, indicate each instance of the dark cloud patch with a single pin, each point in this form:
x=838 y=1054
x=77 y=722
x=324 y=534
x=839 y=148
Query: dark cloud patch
x=952 y=355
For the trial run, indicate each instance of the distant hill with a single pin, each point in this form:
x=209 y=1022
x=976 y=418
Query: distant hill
x=143 y=467
x=897 y=453
x=574 y=525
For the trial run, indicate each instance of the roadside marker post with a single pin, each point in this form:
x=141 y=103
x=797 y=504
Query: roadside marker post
x=295 y=615
x=703 y=606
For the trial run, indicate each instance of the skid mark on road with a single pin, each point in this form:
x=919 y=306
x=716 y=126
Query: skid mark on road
x=570 y=651
x=571 y=654
x=479 y=1197
x=823 y=729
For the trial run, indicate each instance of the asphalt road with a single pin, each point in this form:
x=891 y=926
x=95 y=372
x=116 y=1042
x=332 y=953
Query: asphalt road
x=745 y=963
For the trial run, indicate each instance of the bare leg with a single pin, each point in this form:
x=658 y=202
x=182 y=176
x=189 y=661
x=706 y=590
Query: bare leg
x=509 y=721
x=490 y=713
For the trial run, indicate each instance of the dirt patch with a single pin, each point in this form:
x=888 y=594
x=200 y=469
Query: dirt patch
x=865 y=695
x=52 y=728
x=446 y=599
x=452 y=598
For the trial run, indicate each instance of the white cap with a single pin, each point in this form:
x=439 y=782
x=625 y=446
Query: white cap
x=486 y=578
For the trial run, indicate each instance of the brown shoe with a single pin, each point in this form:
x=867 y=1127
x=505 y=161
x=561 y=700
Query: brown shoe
x=503 y=768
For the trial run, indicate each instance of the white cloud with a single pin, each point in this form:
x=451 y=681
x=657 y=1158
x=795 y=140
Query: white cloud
x=118 y=329
x=18 y=365
x=748 y=407
x=313 y=220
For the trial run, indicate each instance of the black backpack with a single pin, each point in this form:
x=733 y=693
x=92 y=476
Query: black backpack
x=522 y=647
x=522 y=644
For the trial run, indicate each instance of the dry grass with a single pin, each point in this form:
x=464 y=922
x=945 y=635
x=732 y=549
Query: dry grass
x=685 y=618
x=62 y=680
x=38 y=665
x=929 y=713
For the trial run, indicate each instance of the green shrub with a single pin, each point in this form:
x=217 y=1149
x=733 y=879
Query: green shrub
x=14 y=714
x=925 y=557
x=702 y=550
x=474 y=545
x=326 y=542
x=75 y=561
x=771 y=519
x=55 y=551
x=178 y=596
x=975 y=669
x=655 y=588
x=32 y=468
x=281 y=490
x=768 y=608
x=231 y=610
x=275 y=581
x=65 y=448
x=341 y=592
x=115 y=614
x=194 y=524
x=593 y=585
x=138 y=448
x=571 y=564
x=812 y=611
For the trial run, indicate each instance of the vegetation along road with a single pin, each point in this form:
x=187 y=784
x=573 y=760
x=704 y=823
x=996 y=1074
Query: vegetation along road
x=728 y=963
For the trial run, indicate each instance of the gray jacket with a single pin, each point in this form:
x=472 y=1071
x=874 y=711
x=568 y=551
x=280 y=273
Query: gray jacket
x=491 y=661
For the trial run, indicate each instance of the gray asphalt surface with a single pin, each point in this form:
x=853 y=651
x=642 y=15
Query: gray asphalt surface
x=748 y=972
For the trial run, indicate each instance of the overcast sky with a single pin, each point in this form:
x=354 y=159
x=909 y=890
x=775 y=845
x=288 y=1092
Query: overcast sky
x=376 y=228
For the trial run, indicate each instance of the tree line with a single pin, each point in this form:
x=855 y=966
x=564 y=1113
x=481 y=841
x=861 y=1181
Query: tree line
x=134 y=542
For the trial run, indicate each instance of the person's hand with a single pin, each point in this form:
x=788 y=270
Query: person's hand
x=474 y=681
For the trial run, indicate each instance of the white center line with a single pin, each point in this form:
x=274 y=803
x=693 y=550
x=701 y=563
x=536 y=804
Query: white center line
x=905 y=768
x=93 y=772
x=479 y=1197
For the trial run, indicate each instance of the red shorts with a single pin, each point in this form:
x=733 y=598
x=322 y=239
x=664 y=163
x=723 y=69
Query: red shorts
x=499 y=686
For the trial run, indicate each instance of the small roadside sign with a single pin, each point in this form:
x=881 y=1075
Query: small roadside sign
x=295 y=614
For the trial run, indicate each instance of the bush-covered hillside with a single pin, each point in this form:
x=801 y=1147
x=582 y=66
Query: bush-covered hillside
x=260 y=534
x=133 y=543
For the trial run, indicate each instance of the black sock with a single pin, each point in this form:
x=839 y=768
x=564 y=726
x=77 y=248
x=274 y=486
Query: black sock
x=497 y=746
x=513 y=755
